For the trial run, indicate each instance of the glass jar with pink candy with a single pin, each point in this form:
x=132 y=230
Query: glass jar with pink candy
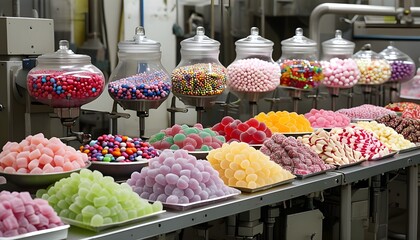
x=338 y=66
x=253 y=74
x=64 y=79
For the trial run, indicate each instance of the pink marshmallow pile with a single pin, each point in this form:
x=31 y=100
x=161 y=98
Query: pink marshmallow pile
x=37 y=154
x=361 y=140
x=326 y=119
x=365 y=111
x=20 y=214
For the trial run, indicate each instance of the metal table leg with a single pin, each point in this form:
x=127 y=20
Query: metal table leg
x=345 y=221
x=413 y=202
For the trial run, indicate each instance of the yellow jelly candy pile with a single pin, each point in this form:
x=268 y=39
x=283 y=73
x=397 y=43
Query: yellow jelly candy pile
x=240 y=165
x=284 y=122
x=386 y=135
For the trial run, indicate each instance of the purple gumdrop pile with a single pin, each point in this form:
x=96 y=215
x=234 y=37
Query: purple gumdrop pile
x=175 y=177
x=20 y=214
x=402 y=71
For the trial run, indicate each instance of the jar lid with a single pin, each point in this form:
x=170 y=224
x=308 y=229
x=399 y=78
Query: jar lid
x=139 y=44
x=64 y=55
x=366 y=53
x=338 y=44
x=200 y=42
x=298 y=43
x=254 y=41
x=393 y=53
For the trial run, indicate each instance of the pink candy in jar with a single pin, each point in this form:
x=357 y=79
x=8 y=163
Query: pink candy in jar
x=64 y=79
x=253 y=75
x=340 y=73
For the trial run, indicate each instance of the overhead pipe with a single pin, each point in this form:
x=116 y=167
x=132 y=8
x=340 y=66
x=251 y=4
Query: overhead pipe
x=337 y=8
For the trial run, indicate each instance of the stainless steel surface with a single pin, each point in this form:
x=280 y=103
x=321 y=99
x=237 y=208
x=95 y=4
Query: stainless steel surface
x=110 y=225
x=313 y=174
x=413 y=202
x=16 y=8
x=36 y=180
x=197 y=101
x=171 y=221
x=251 y=96
x=409 y=149
x=186 y=206
x=384 y=157
x=345 y=212
x=119 y=170
x=141 y=105
x=56 y=233
x=348 y=165
x=252 y=190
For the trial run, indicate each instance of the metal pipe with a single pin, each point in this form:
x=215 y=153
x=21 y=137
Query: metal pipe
x=345 y=215
x=413 y=202
x=262 y=18
x=16 y=8
x=94 y=18
x=343 y=8
x=212 y=30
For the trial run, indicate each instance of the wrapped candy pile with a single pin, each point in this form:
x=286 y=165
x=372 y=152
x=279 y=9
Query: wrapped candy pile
x=365 y=111
x=293 y=155
x=21 y=214
x=178 y=178
x=330 y=149
x=361 y=140
x=386 y=135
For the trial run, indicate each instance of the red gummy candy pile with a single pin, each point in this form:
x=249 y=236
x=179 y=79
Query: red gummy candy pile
x=252 y=131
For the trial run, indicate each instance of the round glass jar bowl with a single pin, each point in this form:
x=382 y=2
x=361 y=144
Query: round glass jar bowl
x=139 y=81
x=64 y=79
x=299 y=64
x=374 y=68
x=199 y=75
x=253 y=73
x=339 y=68
x=402 y=66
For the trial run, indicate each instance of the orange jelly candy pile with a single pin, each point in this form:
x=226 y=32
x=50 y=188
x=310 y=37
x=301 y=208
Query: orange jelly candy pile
x=284 y=122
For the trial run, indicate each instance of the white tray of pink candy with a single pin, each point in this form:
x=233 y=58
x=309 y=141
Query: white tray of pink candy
x=348 y=165
x=118 y=169
x=252 y=190
x=110 y=225
x=55 y=233
x=186 y=206
x=38 y=180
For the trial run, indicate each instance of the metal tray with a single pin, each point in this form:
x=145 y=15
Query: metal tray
x=110 y=225
x=409 y=149
x=348 y=165
x=256 y=146
x=252 y=190
x=56 y=233
x=301 y=177
x=355 y=120
x=296 y=134
x=186 y=206
x=383 y=157
x=118 y=169
x=37 y=180
x=199 y=154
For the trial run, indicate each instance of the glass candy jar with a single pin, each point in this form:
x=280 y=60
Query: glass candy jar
x=338 y=66
x=298 y=63
x=254 y=70
x=64 y=79
x=374 y=68
x=199 y=73
x=402 y=66
x=139 y=81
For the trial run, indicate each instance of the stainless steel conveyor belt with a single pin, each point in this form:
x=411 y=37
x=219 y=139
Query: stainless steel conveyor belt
x=174 y=220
